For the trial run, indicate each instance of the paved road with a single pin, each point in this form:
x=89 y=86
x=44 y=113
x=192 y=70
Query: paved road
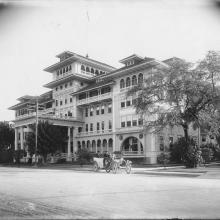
x=41 y=193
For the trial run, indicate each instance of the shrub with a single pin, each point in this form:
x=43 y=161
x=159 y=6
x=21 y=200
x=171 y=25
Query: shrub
x=181 y=152
x=178 y=150
x=209 y=152
x=163 y=158
x=192 y=156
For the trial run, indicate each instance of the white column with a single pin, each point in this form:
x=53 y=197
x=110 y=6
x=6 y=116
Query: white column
x=96 y=147
x=107 y=145
x=16 y=139
x=69 y=147
x=22 y=140
x=74 y=142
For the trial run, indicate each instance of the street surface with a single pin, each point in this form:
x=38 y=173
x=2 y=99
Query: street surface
x=49 y=193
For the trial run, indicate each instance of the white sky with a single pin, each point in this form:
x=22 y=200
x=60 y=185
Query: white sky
x=33 y=32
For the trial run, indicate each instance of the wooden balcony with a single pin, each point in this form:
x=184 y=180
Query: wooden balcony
x=95 y=99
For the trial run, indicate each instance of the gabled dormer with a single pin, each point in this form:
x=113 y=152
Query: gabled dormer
x=131 y=60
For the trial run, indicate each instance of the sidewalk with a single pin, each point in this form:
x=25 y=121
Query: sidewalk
x=212 y=170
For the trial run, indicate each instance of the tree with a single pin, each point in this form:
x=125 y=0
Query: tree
x=178 y=94
x=6 y=142
x=6 y=136
x=50 y=138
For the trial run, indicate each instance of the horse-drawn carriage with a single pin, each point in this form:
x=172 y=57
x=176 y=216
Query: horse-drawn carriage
x=112 y=162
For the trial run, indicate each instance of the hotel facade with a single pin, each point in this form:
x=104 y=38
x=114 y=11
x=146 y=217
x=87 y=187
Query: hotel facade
x=90 y=99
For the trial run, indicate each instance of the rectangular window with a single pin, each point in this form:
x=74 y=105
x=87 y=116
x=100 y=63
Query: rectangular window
x=65 y=101
x=71 y=100
x=86 y=112
x=87 y=127
x=161 y=142
x=140 y=121
x=128 y=103
x=103 y=125
x=61 y=102
x=123 y=124
x=128 y=123
x=203 y=138
x=97 y=110
x=56 y=102
x=110 y=125
x=91 y=111
x=134 y=122
x=56 y=89
x=103 y=110
x=109 y=108
x=122 y=104
x=134 y=101
x=66 y=85
x=91 y=127
x=61 y=87
x=97 y=127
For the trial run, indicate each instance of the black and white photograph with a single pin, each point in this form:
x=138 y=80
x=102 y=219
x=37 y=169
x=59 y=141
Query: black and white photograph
x=109 y=109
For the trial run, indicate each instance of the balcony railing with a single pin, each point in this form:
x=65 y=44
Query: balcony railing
x=94 y=98
x=133 y=153
x=46 y=113
x=92 y=133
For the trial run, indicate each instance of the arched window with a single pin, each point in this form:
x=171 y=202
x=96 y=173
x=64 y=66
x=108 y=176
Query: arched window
x=128 y=82
x=87 y=69
x=92 y=70
x=60 y=71
x=122 y=83
x=97 y=72
x=64 y=70
x=134 y=80
x=67 y=69
x=70 y=67
x=82 y=68
x=140 y=78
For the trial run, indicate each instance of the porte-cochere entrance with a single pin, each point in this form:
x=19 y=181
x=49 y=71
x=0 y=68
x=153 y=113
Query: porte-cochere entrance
x=131 y=146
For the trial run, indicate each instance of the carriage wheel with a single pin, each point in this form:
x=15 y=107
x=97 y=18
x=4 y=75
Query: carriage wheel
x=115 y=168
x=95 y=167
x=128 y=168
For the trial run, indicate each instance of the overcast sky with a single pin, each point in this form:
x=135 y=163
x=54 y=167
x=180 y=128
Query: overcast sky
x=33 y=32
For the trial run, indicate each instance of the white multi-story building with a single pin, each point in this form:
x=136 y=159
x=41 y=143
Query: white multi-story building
x=89 y=98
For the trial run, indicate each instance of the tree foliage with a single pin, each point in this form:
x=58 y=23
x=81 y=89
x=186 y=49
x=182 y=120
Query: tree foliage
x=50 y=138
x=177 y=94
x=6 y=136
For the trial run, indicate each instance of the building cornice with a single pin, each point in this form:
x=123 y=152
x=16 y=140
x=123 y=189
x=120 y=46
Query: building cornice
x=137 y=67
x=66 y=79
x=76 y=57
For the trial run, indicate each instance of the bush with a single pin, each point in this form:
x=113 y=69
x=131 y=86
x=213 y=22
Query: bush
x=209 y=152
x=181 y=152
x=163 y=158
x=178 y=150
x=192 y=156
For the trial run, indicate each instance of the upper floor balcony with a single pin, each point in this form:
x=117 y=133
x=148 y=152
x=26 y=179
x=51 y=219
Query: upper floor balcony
x=94 y=94
x=95 y=99
x=94 y=133
x=48 y=113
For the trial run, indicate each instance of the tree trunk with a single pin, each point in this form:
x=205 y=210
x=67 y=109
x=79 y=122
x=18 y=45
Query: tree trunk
x=185 y=129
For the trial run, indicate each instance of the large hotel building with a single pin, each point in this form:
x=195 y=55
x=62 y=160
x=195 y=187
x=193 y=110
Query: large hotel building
x=89 y=98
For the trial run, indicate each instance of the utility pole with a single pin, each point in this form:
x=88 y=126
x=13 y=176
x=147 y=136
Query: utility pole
x=36 y=131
